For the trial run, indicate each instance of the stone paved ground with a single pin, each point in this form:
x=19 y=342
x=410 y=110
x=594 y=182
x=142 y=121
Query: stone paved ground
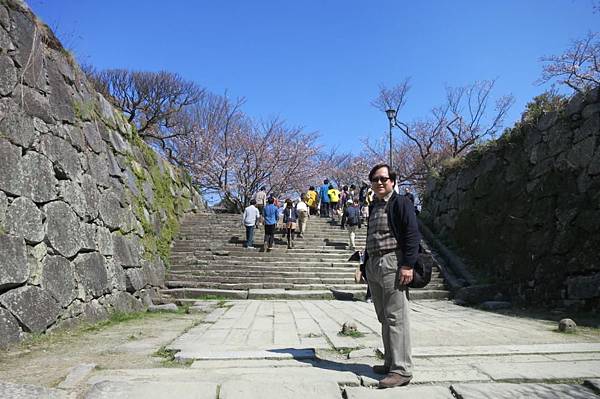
x=291 y=349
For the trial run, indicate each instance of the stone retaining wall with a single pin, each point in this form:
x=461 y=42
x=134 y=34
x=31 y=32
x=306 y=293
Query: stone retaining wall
x=87 y=209
x=525 y=211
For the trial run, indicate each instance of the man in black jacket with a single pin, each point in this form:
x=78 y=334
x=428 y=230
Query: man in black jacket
x=391 y=252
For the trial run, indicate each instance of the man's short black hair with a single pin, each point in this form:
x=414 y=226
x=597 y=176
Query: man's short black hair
x=312 y=188
x=252 y=202
x=326 y=181
x=391 y=173
x=263 y=188
x=271 y=200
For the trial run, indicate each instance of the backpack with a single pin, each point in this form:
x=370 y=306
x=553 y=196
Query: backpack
x=353 y=216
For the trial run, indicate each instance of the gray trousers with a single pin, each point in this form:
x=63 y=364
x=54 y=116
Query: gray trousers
x=392 y=308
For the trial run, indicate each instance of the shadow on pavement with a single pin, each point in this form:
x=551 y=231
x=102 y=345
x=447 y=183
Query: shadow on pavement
x=359 y=369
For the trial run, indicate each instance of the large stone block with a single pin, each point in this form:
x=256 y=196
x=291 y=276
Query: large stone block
x=123 y=302
x=93 y=138
x=116 y=275
x=10 y=158
x=34 y=103
x=13 y=261
x=73 y=134
x=72 y=193
x=91 y=274
x=119 y=143
x=33 y=306
x=125 y=254
x=61 y=93
x=29 y=53
x=58 y=279
x=3 y=207
x=110 y=209
x=135 y=279
x=104 y=241
x=63 y=156
x=93 y=312
x=92 y=197
x=24 y=219
x=63 y=228
x=36 y=178
x=10 y=331
x=154 y=272
x=8 y=77
x=97 y=167
x=88 y=237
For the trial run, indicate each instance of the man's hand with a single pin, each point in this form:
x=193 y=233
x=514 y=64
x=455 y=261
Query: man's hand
x=406 y=275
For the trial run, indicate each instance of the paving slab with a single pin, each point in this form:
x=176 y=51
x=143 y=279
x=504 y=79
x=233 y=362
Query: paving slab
x=498 y=350
x=408 y=392
x=253 y=363
x=290 y=389
x=76 y=375
x=512 y=391
x=286 y=353
x=266 y=375
x=152 y=390
x=26 y=391
x=542 y=370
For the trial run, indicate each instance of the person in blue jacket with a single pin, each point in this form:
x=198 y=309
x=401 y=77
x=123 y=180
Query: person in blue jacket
x=324 y=211
x=270 y=216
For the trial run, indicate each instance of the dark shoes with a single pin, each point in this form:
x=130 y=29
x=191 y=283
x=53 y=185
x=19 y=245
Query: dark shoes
x=394 y=380
x=380 y=369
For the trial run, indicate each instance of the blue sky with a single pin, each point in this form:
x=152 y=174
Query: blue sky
x=318 y=64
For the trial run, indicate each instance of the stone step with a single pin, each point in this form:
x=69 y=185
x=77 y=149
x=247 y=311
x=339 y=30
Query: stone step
x=254 y=254
x=238 y=285
x=210 y=256
x=281 y=293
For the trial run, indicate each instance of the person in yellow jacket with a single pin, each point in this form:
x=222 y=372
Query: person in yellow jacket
x=312 y=200
x=334 y=201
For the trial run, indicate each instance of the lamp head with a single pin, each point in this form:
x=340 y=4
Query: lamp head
x=391 y=114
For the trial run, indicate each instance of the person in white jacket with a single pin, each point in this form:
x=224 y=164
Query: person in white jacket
x=250 y=218
x=303 y=212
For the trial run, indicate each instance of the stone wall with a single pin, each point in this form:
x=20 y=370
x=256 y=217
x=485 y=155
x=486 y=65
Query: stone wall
x=525 y=210
x=87 y=210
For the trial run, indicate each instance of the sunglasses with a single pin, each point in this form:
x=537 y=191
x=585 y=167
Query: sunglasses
x=380 y=179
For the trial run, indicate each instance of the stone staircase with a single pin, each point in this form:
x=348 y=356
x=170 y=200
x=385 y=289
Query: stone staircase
x=208 y=258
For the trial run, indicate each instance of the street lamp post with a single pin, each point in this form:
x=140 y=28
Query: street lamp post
x=391 y=114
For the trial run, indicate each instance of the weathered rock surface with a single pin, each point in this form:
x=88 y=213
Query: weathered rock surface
x=64 y=157
x=24 y=219
x=25 y=391
x=63 y=227
x=36 y=178
x=35 y=308
x=10 y=331
x=91 y=274
x=13 y=261
x=525 y=210
x=58 y=279
x=124 y=254
x=111 y=212
x=124 y=302
x=135 y=279
x=68 y=222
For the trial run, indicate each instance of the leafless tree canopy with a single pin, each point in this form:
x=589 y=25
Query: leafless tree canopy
x=467 y=117
x=578 y=67
x=152 y=101
x=392 y=98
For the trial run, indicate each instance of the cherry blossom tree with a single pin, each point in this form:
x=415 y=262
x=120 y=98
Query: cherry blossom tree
x=578 y=67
